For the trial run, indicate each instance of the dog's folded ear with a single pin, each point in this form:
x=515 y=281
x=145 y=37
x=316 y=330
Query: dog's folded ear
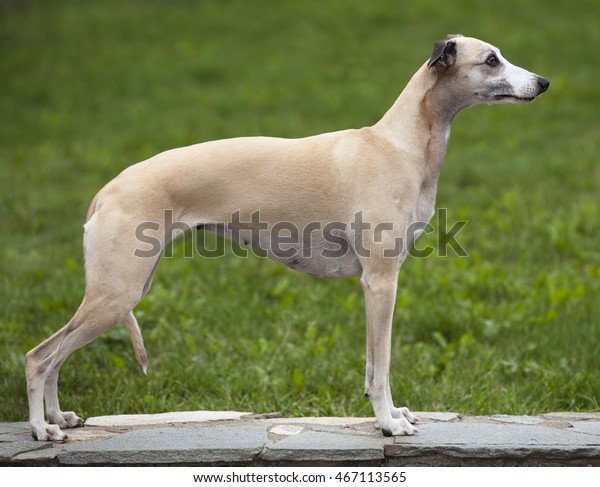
x=444 y=52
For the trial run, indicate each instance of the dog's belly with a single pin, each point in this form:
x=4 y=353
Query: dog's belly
x=321 y=254
x=315 y=263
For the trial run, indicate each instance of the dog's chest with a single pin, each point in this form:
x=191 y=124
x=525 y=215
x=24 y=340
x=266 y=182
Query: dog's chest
x=424 y=211
x=426 y=204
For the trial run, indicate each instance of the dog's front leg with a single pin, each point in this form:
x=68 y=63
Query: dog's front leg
x=380 y=296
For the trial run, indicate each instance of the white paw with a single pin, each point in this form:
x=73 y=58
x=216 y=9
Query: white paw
x=47 y=432
x=398 y=413
x=398 y=427
x=65 y=420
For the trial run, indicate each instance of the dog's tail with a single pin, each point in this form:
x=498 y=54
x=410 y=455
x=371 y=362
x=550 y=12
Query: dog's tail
x=138 y=342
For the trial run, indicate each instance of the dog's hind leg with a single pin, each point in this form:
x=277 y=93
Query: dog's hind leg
x=60 y=418
x=115 y=282
x=42 y=365
x=69 y=419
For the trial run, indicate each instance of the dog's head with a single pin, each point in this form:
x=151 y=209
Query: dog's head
x=476 y=72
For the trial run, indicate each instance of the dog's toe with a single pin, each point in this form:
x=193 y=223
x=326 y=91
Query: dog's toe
x=73 y=421
x=48 y=432
x=410 y=417
x=404 y=413
x=65 y=419
x=399 y=427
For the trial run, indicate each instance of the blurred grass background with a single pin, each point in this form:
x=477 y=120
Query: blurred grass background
x=88 y=88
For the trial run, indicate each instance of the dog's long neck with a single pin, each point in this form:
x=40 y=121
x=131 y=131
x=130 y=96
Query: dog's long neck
x=419 y=121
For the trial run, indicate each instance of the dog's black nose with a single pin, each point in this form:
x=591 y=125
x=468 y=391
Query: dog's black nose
x=544 y=83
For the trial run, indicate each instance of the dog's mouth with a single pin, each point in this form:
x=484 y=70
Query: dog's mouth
x=520 y=99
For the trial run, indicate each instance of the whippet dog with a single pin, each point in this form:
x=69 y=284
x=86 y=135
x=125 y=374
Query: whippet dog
x=243 y=188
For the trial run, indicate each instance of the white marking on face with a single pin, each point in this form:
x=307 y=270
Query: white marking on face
x=490 y=78
x=524 y=84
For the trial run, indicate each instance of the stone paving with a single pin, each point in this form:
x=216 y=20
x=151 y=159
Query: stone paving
x=237 y=438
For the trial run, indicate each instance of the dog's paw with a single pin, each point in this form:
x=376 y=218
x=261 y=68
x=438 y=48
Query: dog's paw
x=398 y=427
x=47 y=432
x=65 y=420
x=399 y=413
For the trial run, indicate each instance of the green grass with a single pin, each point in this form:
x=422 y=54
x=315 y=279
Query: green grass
x=89 y=88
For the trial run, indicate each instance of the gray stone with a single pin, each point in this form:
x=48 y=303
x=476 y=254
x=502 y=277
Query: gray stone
x=505 y=418
x=286 y=429
x=326 y=421
x=320 y=446
x=45 y=455
x=481 y=440
x=425 y=417
x=226 y=443
x=11 y=438
x=573 y=416
x=444 y=439
x=88 y=433
x=9 y=449
x=587 y=427
x=131 y=420
x=14 y=428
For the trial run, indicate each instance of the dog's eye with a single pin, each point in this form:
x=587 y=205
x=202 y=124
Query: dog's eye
x=492 y=60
